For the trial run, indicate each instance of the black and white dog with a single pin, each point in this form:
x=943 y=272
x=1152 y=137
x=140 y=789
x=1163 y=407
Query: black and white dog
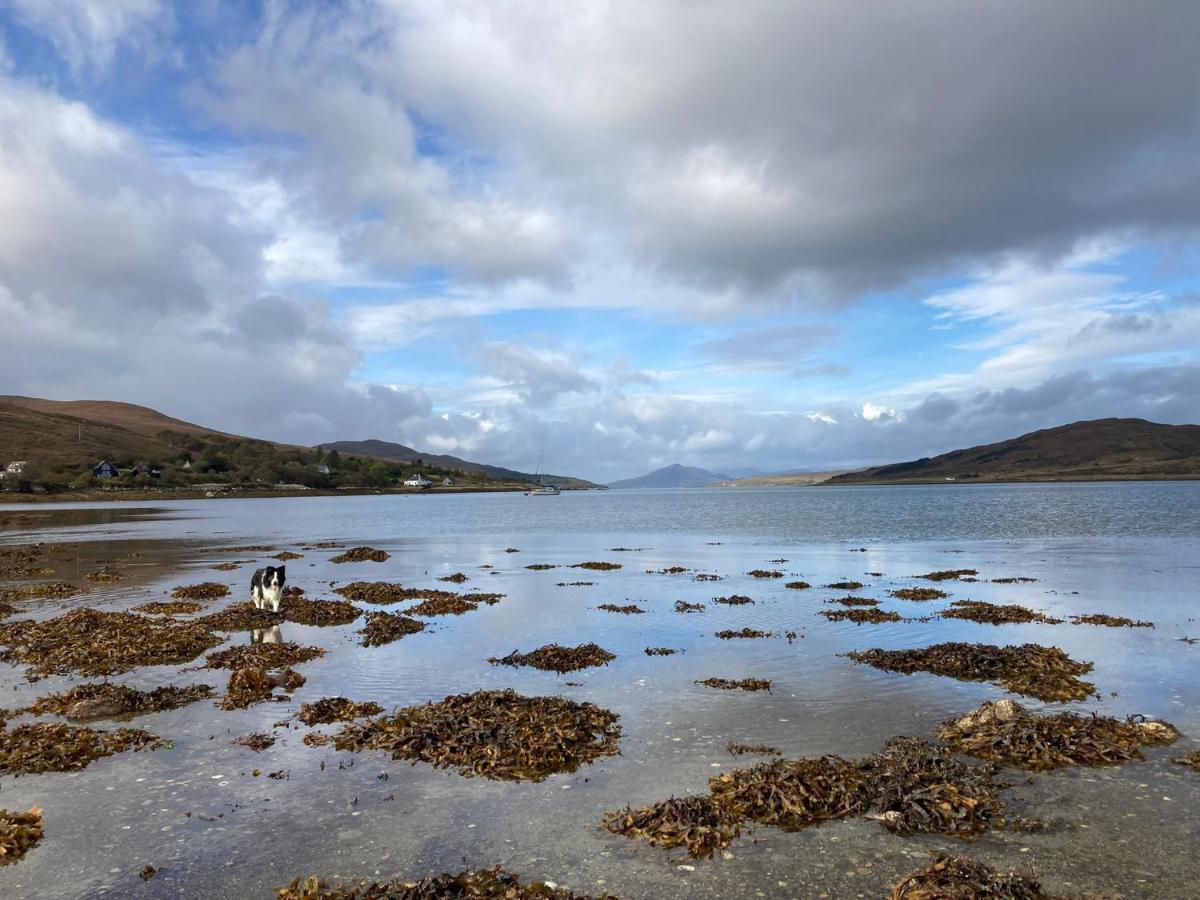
x=266 y=587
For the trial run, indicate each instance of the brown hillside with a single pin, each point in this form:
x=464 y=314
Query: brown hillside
x=1093 y=450
x=82 y=432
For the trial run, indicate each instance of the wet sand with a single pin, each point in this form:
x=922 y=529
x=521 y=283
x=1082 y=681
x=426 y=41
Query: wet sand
x=196 y=811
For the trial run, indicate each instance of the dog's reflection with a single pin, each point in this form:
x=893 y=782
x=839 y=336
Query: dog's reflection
x=270 y=635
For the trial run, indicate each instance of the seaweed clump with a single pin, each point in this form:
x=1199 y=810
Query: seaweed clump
x=1110 y=621
x=456 y=578
x=20 y=832
x=682 y=606
x=728 y=684
x=734 y=749
x=169 y=607
x=380 y=593
x=1046 y=673
x=55 y=747
x=628 y=609
x=660 y=651
x=854 y=601
x=116 y=701
x=996 y=614
x=872 y=616
x=481 y=883
x=729 y=634
x=949 y=575
x=911 y=786
x=1007 y=733
x=336 y=709
x=845 y=585
x=765 y=573
x=450 y=604
x=1191 y=760
x=496 y=734
x=319 y=612
x=798 y=585
x=205 y=590
x=361 y=554
x=95 y=643
x=383 y=628
x=241 y=617
x=556 y=658
x=252 y=684
x=919 y=593
x=963 y=878
x=257 y=741
x=733 y=600
x=597 y=566
x=262 y=656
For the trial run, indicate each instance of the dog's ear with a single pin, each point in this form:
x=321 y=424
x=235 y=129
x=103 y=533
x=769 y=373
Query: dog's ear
x=281 y=570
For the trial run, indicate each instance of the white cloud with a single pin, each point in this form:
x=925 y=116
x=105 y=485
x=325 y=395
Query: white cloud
x=87 y=33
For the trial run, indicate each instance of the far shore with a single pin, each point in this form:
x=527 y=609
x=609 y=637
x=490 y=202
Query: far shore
x=118 y=495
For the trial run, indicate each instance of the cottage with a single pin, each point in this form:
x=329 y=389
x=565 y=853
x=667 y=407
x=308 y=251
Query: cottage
x=447 y=481
x=148 y=471
x=418 y=481
x=322 y=469
x=105 y=469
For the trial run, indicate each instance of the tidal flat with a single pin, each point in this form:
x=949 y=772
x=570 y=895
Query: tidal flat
x=396 y=780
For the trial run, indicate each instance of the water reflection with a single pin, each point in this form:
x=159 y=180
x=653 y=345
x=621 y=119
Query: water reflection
x=272 y=635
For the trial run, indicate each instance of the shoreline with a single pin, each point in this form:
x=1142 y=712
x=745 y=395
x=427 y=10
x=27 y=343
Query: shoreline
x=139 y=495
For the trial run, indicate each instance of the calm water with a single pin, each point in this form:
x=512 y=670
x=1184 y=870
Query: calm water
x=1126 y=549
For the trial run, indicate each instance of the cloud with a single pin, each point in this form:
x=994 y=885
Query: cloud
x=122 y=278
x=88 y=33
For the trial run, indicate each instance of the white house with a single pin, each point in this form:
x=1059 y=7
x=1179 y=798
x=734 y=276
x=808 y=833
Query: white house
x=418 y=481
x=321 y=469
x=14 y=469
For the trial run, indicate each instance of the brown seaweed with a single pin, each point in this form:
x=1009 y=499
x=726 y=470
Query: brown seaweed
x=682 y=606
x=1018 y=579
x=697 y=823
x=995 y=614
x=481 y=884
x=854 y=601
x=1191 y=760
x=919 y=593
x=205 y=590
x=872 y=616
x=95 y=643
x=384 y=627
x=288 y=555
x=20 y=832
x=1007 y=733
x=845 y=585
x=319 y=612
x=752 y=749
x=556 y=658
x=169 y=607
x=116 y=701
x=963 y=878
x=628 y=609
x=948 y=575
x=1110 y=621
x=1046 y=673
x=241 y=617
x=262 y=656
x=669 y=570
x=495 y=734
x=253 y=684
x=103 y=575
x=765 y=573
x=257 y=741
x=798 y=585
x=382 y=593
x=597 y=566
x=336 y=709
x=729 y=634
x=456 y=578
x=56 y=747
x=361 y=554
x=733 y=600
x=541 y=567
x=661 y=651
x=728 y=684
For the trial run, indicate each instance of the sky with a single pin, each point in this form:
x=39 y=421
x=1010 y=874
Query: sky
x=746 y=235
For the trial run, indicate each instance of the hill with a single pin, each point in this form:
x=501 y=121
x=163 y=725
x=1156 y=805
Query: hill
x=393 y=452
x=1081 y=451
x=82 y=432
x=782 y=479
x=673 y=476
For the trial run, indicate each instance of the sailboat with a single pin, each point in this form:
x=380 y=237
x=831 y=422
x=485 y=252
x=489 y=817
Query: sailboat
x=542 y=489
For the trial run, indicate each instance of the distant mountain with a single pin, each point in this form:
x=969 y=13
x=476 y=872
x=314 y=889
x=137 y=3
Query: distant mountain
x=674 y=476
x=1082 y=451
x=401 y=453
